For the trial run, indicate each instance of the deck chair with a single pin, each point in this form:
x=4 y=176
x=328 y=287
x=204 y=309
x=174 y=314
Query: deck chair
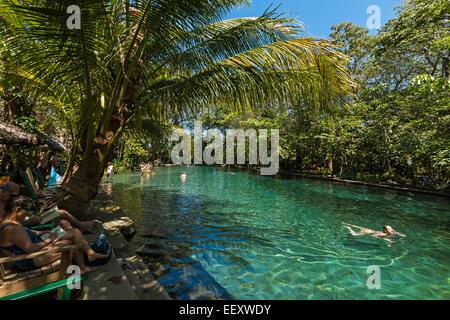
x=34 y=180
x=15 y=284
x=40 y=179
x=38 y=195
x=38 y=201
x=32 y=188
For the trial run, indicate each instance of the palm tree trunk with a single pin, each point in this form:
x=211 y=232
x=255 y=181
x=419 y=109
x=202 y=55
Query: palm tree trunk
x=79 y=191
x=76 y=194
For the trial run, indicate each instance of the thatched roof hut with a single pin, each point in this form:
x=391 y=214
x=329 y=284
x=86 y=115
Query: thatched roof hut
x=12 y=135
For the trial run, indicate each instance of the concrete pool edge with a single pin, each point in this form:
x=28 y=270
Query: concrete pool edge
x=126 y=276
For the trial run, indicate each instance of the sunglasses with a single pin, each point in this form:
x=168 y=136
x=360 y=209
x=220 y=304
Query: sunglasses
x=15 y=196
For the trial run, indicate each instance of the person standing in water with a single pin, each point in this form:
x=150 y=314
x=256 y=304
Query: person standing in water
x=109 y=171
x=387 y=231
x=183 y=176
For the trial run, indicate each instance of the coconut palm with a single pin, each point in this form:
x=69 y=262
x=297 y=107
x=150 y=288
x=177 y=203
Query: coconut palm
x=163 y=57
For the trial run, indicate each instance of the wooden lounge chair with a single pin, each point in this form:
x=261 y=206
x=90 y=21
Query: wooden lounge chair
x=40 y=179
x=31 y=187
x=38 y=201
x=16 y=284
x=41 y=191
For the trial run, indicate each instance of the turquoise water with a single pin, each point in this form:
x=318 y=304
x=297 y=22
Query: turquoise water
x=224 y=234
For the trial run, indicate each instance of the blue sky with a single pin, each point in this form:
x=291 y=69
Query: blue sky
x=319 y=15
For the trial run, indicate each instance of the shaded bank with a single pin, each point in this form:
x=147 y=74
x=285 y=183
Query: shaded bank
x=125 y=276
x=445 y=191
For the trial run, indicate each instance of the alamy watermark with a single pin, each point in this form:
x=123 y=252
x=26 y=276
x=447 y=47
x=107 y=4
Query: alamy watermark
x=213 y=152
x=374 y=280
x=74 y=21
x=74 y=281
x=374 y=20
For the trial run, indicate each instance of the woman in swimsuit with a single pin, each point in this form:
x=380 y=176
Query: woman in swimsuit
x=387 y=231
x=19 y=240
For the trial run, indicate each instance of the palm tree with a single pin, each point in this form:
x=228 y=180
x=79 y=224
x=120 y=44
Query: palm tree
x=161 y=57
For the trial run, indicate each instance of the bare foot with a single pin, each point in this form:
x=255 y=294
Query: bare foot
x=96 y=256
x=88 y=269
x=88 y=224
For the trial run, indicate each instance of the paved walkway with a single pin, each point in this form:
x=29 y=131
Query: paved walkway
x=125 y=276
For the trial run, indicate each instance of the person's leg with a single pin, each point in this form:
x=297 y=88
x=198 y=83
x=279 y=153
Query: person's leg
x=74 y=221
x=352 y=225
x=65 y=224
x=78 y=257
x=77 y=237
x=51 y=257
x=351 y=231
x=362 y=230
x=46 y=259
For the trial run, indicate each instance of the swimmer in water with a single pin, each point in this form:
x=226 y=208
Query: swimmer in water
x=183 y=176
x=387 y=231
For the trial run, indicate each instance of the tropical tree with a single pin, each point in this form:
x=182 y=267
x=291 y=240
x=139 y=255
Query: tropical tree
x=419 y=38
x=129 y=58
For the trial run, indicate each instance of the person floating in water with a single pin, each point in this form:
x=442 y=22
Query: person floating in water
x=387 y=231
x=183 y=176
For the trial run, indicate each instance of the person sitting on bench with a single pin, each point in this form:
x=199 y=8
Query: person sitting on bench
x=19 y=240
x=10 y=189
x=7 y=189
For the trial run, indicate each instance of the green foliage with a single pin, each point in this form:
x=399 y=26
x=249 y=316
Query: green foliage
x=167 y=61
x=396 y=129
x=160 y=60
x=134 y=152
x=23 y=157
x=27 y=123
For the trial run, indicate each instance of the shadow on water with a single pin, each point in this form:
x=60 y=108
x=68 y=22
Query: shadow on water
x=183 y=277
x=168 y=246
